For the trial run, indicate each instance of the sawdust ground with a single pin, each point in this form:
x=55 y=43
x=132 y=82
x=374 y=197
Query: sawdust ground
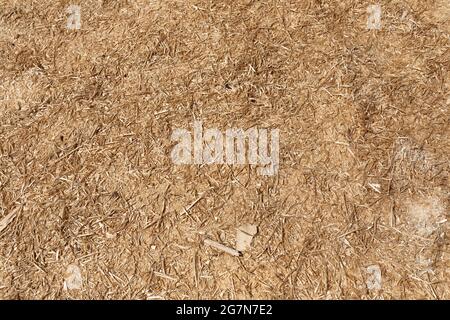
x=85 y=124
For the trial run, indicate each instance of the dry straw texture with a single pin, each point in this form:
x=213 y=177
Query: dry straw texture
x=86 y=177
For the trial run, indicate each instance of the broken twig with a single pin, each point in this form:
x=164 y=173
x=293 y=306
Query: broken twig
x=223 y=248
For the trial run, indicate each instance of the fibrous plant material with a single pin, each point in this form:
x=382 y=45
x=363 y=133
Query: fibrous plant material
x=356 y=93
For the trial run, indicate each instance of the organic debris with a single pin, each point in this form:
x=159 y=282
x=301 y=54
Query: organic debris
x=244 y=236
x=223 y=248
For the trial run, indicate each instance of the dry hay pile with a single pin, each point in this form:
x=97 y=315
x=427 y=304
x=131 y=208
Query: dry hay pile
x=87 y=183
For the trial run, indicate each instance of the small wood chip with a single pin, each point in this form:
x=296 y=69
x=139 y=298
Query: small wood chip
x=6 y=220
x=375 y=186
x=223 y=248
x=244 y=236
x=165 y=276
